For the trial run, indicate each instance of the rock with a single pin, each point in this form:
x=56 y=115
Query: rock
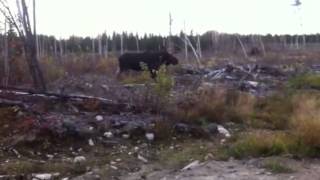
x=134 y=129
x=143 y=159
x=99 y=118
x=50 y=156
x=211 y=128
x=181 y=128
x=113 y=167
x=224 y=131
x=44 y=176
x=79 y=159
x=125 y=136
x=91 y=143
x=150 y=136
x=191 y=165
x=108 y=134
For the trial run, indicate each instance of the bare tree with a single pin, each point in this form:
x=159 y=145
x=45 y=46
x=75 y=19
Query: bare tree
x=6 y=57
x=121 y=43
x=21 y=22
x=242 y=47
x=199 y=46
x=137 y=43
x=100 y=45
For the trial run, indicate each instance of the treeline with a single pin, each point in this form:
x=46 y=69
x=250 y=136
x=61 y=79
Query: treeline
x=122 y=42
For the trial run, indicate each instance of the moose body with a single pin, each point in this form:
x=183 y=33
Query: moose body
x=153 y=61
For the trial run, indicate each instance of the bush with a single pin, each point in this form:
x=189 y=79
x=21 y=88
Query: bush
x=52 y=70
x=305 y=81
x=154 y=94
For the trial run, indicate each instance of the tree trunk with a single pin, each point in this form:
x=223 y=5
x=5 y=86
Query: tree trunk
x=34 y=67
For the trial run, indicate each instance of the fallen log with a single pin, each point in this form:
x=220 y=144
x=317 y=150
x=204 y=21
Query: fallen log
x=26 y=98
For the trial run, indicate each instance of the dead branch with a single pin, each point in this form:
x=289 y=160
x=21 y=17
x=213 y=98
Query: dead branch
x=23 y=97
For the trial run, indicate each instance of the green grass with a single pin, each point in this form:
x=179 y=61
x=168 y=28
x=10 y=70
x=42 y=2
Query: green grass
x=276 y=167
x=305 y=81
x=189 y=151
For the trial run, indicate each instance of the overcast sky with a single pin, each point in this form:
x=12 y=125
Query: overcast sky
x=90 y=17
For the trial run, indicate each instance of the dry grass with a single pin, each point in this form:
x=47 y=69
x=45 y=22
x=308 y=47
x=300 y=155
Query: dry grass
x=277 y=166
x=300 y=127
x=56 y=68
x=261 y=143
x=273 y=112
x=215 y=105
x=305 y=120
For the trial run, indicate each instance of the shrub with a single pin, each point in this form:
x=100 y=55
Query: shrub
x=154 y=94
x=305 y=81
x=51 y=69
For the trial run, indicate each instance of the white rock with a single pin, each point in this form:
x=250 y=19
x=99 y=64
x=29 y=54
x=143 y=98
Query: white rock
x=50 y=156
x=150 y=136
x=125 y=136
x=65 y=178
x=191 y=165
x=108 y=134
x=79 y=159
x=253 y=83
x=44 y=176
x=224 y=131
x=113 y=167
x=91 y=128
x=99 y=118
x=91 y=143
x=141 y=158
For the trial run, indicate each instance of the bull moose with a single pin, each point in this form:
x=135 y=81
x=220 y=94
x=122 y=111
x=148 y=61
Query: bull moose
x=153 y=60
